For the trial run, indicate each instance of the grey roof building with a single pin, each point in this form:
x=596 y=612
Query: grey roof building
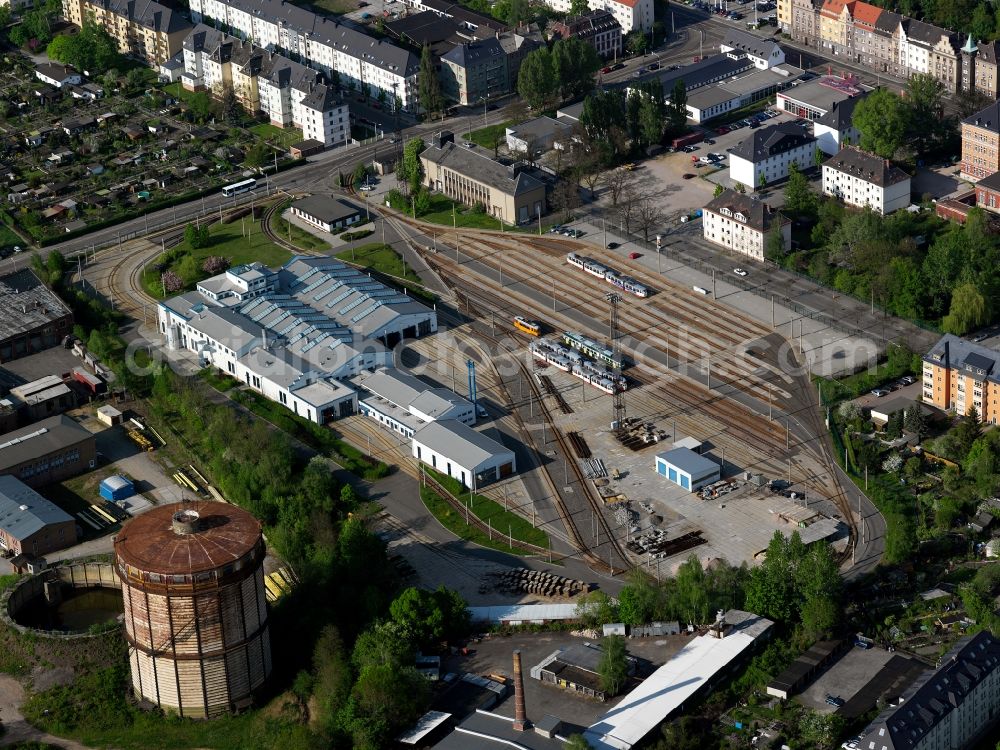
x=47 y=451
x=323 y=209
x=756 y=214
x=702 y=73
x=472 y=177
x=950 y=706
x=29 y=523
x=475 y=70
x=771 y=141
x=869 y=167
x=32 y=317
x=764 y=52
x=455 y=449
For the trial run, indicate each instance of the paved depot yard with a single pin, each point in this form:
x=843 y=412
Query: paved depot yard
x=493 y=655
x=845 y=678
x=736 y=527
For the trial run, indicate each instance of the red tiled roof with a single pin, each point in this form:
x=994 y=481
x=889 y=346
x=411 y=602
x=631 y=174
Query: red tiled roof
x=832 y=8
x=866 y=14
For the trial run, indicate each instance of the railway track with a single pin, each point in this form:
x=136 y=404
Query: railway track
x=718 y=324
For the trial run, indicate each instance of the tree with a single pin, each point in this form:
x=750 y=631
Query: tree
x=389 y=698
x=762 y=180
x=924 y=99
x=536 y=80
x=566 y=197
x=968 y=310
x=519 y=12
x=914 y=420
x=577 y=742
x=691 y=591
x=410 y=171
x=613 y=667
x=636 y=43
x=882 y=119
x=676 y=112
x=257 y=155
x=578 y=7
x=818 y=157
x=430 y=86
x=62 y=49
x=229 y=105
x=574 y=63
x=719 y=190
x=359 y=174
x=384 y=643
x=616 y=180
x=200 y=105
x=430 y=616
x=799 y=199
x=596 y=609
x=197 y=236
x=331 y=677
x=894 y=427
x=648 y=215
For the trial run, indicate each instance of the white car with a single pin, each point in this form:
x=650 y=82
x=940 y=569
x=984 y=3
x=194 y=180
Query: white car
x=367 y=188
x=739 y=272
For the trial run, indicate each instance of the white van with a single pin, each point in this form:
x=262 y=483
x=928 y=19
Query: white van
x=700 y=290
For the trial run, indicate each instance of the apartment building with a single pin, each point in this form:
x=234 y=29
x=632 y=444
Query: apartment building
x=289 y=93
x=374 y=67
x=632 y=15
x=880 y=40
x=981 y=143
x=474 y=72
x=979 y=68
x=598 y=28
x=959 y=375
x=147 y=31
x=471 y=177
x=766 y=155
x=866 y=180
x=744 y=225
x=952 y=706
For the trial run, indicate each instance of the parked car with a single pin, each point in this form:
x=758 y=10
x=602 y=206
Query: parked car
x=879 y=393
x=689 y=148
x=907 y=380
x=980 y=337
x=618 y=66
x=606 y=69
x=709 y=141
x=739 y=272
x=687 y=176
x=653 y=66
x=366 y=188
x=555 y=229
x=613 y=246
x=633 y=256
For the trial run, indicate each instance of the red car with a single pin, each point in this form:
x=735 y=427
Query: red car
x=722 y=131
x=633 y=256
x=606 y=70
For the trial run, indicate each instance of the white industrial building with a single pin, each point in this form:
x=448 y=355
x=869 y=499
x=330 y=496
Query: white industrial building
x=862 y=179
x=764 y=53
x=743 y=224
x=403 y=403
x=293 y=333
x=453 y=448
x=766 y=155
x=688 y=469
x=692 y=670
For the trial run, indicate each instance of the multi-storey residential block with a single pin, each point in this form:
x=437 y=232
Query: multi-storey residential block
x=474 y=71
x=805 y=21
x=744 y=225
x=979 y=68
x=146 y=30
x=959 y=375
x=889 y=29
x=862 y=179
x=289 y=93
x=374 y=67
x=987 y=193
x=866 y=39
x=766 y=155
x=981 y=143
x=632 y=15
x=932 y=50
x=599 y=28
x=952 y=706
x=471 y=177
x=834 y=24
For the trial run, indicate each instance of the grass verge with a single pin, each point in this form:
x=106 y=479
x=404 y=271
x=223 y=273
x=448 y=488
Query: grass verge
x=385 y=260
x=228 y=241
x=489 y=135
x=489 y=511
x=283 y=137
x=296 y=235
x=320 y=438
x=455 y=523
x=218 y=380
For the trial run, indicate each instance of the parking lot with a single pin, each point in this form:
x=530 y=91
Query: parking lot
x=844 y=679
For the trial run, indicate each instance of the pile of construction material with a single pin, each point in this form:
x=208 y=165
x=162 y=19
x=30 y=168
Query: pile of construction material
x=528 y=581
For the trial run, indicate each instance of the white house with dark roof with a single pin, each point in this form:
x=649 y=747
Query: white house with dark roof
x=742 y=224
x=293 y=333
x=57 y=75
x=952 y=706
x=835 y=129
x=862 y=179
x=764 y=53
x=326 y=213
x=768 y=153
x=632 y=15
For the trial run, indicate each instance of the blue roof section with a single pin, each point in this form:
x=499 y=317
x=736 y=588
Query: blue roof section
x=23 y=511
x=688 y=461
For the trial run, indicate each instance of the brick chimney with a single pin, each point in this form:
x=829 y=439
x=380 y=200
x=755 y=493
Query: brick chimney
x=521 y=722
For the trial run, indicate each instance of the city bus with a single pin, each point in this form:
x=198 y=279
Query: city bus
x=239 y=187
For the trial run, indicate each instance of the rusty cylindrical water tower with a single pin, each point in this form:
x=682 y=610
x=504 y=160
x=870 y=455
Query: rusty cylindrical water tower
x=195 y=613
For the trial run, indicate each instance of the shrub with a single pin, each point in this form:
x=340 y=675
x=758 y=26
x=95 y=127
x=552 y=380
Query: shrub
x=171 y=282
x=215 y=264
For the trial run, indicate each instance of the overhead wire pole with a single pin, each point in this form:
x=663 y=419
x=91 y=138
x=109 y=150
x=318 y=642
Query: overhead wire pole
x=618 y=394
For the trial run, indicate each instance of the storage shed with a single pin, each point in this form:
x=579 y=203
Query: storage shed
x=109 y=415
x=117 y=487
x=684 y=467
